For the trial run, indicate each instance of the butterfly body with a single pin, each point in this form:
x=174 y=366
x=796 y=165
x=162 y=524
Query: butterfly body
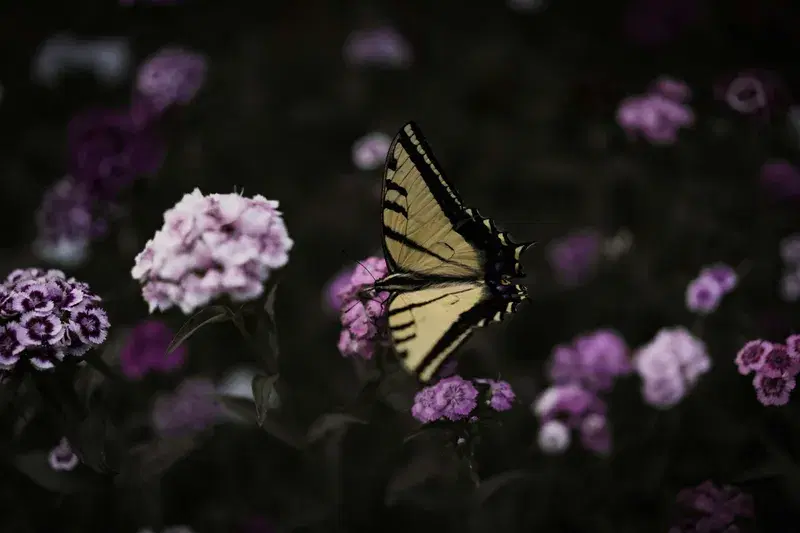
x=450 y=269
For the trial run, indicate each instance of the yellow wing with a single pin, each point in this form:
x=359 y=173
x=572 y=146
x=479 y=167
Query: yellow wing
x=428 y=324
x=425 y=226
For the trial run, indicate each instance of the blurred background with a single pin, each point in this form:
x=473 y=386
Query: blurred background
x=635 y=141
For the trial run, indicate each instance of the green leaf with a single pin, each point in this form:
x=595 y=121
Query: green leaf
x=208 y=315
x=265 y=396
x=36 y=466
x=95 y=442
x=330 y=422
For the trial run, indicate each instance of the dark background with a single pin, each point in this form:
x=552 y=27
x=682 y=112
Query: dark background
x=519 y=108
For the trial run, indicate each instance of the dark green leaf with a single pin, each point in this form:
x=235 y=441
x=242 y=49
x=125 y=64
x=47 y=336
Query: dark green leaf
x=490 y=486
x=95 y=442
x=330 y=422
x=36 y=466
x=151 y=459
x=265 y=396
x=208 y=315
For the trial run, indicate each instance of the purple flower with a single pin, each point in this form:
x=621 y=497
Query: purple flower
x=670 y=365
x=455 y=397
x=65 y=224
x=62 y=458
x=723 y=274
x=383 y=47
x=565 y=365
x=671 y=88
x=574 y=257
x=109 y=150
x=502 y=396
x=425 y=409
x=171 y=76
x=656 y=117
x=773 y=391
x=369 y=152
x=780 y=179
x=360 y=323
x=146 y=350
x=334 y=292
x=708 y=508
x=212 y=246
x=703 y=294
x=192 y=407
x=751 y=357
x=790 y=249
x=779 y=362
x=595 y=434
x=44 y=317
x=603 y=356
x=569 y=402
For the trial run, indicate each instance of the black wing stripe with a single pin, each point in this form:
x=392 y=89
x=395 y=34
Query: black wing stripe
x=401 y=327
x=394 y=206
x=401 y=340
x=399 y=189
x=399 y=237
x=423 y=304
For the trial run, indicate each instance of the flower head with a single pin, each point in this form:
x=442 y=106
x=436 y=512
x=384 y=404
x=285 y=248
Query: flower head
x=362 y=311
x=671 y=88
x=425 y=409
x=751 y=357
x=46 y=317
x=603 y=356
x=723 y=274
x=780 y=179
x=171 y=76
x=751 y=92
x=501 y=395
x=212 y=246
x=703 y=294
x=108 y=150
x=574 y=257
x=554 y=437
x=773 y=390
x=595 y=434
x=790 y=249
x=779 y=362
x=455 y=397
x=62 y=458
x=710 y=508
x=145 y=350
x=670 y=365
x=655 y=117
x=192 y=407
x=369 y=152
x=570 y=403
x=383 y=47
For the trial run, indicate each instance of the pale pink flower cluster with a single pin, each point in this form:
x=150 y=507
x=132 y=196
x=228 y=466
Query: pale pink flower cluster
x=670 y=365
x=212 y=246
x=361 y=315
x=659 y=114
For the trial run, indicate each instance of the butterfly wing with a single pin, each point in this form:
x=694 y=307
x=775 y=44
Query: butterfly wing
x=428 y=324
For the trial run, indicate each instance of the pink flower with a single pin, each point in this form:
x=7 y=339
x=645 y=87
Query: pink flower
x=568 y=402
x=145 y=350
x=425 y=409
x=192 y=407
x=710 y=508
x=212 y=246
x=361 y=313
x=654 y=116
x=62 y=458
x=671 y=88
x=703 y=294
x=595 y=434
x=369 y=152
x=603 y=356
x=455 y=397
x=751 y=357
x=779 y=362
x=773 y=391
x=170 y=76
x=723 y=274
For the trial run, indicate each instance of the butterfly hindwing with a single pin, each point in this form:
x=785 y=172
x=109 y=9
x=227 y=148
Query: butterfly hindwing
x=428 y=324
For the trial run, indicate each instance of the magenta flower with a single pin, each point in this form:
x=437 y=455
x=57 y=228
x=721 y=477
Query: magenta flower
x=170 y=76
x=46 y=318
x=710 y=508
x=502 y=395
x=192 y=407
x=62 y=458
x=425 y=409
x=361 y=315
x=780 y=179
x=65 y=224
x=773 y=391
x=779 y=362
x=561 y=408
x=595 y=434
x=654 y=117
x=383 y=47
x=145 y=350
x=333 y=294
x=108 y=151
x=723 y=274
x=670 y=365
x=751 y=357
x=574 y=257
x=369 y=152
x=603 y=356
x=212 y=246
x=703 y=294
x=455 y=397
x=671 y=88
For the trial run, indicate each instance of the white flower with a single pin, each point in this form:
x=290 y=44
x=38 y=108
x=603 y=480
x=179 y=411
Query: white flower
x=554 y=437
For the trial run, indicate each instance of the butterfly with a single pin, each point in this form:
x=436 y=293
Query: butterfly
x=449 y=269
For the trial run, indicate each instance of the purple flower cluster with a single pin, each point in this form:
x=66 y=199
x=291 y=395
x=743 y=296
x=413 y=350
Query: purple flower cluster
x=574 y=257
x=592 y=361
x=361 y=316
x=191 y=408
x=580 y=371
x=369 y=152
x=775 y=367
x=65 y=223
x=790 y=280
x=168 y=77
x=711 y=509
x=704 y=293
x=145 y=350
x=382 y=47
x=62 y=458
x=562 y=408
x=211 y=246
x=658 y=114
x=455 y=398
x=670 y=366
x=46 y=317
